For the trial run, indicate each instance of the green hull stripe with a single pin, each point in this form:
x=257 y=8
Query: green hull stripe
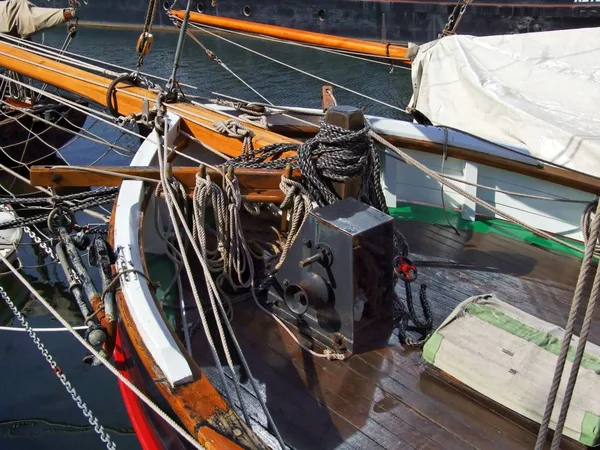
x=162 y=270
x=435 y=215
x=542 y=339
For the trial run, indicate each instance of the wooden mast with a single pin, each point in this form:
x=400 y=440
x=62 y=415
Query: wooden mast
x=379 y=49
x=196 y=120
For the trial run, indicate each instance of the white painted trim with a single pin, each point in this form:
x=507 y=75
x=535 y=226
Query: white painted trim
x=470 y=175
x=144 y=312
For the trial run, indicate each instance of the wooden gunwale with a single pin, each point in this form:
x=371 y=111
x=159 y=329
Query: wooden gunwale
x=197 y=404
x=553 y=174
x=196 y=120
x=379 y=49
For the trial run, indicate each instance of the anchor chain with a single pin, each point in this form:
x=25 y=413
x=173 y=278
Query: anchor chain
x=43 y=244
x=92 y=419
x=455 y=17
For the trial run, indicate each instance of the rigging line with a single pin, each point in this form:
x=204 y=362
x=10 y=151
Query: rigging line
x=63 y=100
x=347 y=53
x=89 y=212
x=26 y=141
x=102 y=359
x=98 y=68
x=91 y=112
x=516 y=194
x=100 y=140
x=304 y=72
x=41 y=330
x=51 y=69
x=222 y=64
x=93 y=420
x=65 y=45
x=210 y=284
x=82 y=129
x=395 y=156
x=55 y=55
x=76 y=77
x=298 y=110
x=116 y=174
x=173 y=207
x=274 y=109
x=413 y=162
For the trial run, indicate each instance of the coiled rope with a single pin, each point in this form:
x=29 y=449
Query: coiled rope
x=333 y=154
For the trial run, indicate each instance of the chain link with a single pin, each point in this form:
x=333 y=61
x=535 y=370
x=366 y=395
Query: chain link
x=452 y=24
x=93 y=420
x=42 y=244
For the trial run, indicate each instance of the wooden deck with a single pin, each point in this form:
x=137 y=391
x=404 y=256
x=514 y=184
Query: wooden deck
x=390 y=398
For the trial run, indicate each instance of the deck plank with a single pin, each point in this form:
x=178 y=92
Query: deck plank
x=390 y=398
x=332 y=380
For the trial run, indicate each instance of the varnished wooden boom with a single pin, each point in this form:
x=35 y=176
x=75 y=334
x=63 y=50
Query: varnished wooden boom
x=197 y=120
x=380 y=49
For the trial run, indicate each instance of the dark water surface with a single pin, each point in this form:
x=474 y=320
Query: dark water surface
x=35 y=410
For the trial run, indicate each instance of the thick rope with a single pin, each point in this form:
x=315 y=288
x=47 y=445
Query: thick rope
x=334 y=154
x=586 y=264
x=583 y=338
x=177 y=216
x=296 y=199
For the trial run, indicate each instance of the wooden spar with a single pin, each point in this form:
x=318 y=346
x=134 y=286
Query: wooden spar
x=256 y=185
x=380 y=49
x=196 y=120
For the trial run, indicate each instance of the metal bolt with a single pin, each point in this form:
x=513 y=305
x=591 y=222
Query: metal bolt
x=307 y=243
x=286 y=283
x=313 y=259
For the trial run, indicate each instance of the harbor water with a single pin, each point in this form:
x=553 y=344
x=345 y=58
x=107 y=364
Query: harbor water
x=35 y=410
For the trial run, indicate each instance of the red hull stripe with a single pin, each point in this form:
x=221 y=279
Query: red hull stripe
x=144 y=429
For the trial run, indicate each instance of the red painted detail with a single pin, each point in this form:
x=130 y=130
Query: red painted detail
x=143 y=426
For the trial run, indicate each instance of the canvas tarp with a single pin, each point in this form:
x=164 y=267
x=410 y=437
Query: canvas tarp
x=510 y=357
x=536 y=90
x=24 y=18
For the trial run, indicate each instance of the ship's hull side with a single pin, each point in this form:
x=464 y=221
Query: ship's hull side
x=393 y=20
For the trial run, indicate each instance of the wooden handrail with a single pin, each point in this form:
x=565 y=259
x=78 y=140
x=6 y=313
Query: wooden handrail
x=256 y=185
x=380 y=49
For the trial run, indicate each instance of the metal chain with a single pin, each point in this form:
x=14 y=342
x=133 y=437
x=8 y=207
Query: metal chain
x=41 y=243
x=93 y=420
x=20 y=222
x=452 y=24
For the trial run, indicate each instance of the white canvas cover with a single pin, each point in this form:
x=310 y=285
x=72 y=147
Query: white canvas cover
x=510 y=357
x=536 y=90
x=24 y=18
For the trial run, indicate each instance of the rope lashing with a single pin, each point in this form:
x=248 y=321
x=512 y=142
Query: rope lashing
x=233 y=128
x=298 y=200
x=335 y=154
